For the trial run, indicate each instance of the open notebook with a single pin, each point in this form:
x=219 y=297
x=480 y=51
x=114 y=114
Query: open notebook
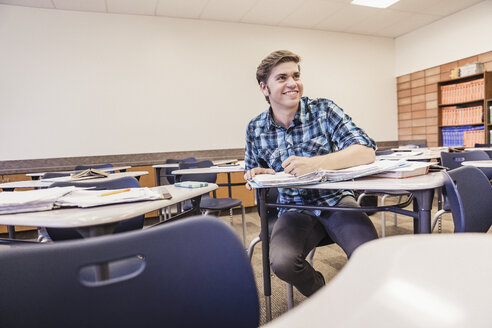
x=379 y=168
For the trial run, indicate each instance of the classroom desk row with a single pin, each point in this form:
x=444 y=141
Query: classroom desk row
x=94 y=221
x=38 y=175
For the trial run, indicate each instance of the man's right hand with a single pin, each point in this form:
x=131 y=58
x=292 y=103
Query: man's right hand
x=250 y=174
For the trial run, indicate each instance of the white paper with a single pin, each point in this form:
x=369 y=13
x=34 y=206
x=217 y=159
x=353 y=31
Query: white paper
x=31 y=200
x=90 y=198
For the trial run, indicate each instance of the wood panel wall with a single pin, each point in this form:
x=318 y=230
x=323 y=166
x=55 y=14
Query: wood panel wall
x=417 y=99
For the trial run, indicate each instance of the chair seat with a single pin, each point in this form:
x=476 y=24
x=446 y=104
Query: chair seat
x=209 y=203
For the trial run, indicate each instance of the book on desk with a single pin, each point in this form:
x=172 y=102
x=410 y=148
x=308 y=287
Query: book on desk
x=380 y=168
x=89 y=174
x=412 y=169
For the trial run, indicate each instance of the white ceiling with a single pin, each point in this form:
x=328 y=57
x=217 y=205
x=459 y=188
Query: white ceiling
x=328 y=15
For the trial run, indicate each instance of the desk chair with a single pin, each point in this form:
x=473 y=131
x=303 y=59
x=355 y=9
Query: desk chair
x=469 y=196
x=207 y=203
x=272 y=216
x=163 y=213
x=453 y=161
x=168 y=170
x=189 y=273
x=135 y=223
x=489 y=152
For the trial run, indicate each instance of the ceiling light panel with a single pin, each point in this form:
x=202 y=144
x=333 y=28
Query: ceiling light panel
x=374 y=3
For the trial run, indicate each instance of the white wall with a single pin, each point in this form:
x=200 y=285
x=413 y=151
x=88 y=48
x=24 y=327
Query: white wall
x=76 y=84
x=464 y=34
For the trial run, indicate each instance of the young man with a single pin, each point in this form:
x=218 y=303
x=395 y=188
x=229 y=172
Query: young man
x=300 y=135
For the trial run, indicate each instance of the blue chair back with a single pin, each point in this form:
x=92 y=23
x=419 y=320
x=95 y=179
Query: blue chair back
x=204 y=177
x=135 y=223
x=190 y=273
x=168 y=171
x=453 y=160
x=469 y=195
x=49 y=175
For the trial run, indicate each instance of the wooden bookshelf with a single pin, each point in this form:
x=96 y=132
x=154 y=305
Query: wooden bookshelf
x=458 y=100
x=417 y=94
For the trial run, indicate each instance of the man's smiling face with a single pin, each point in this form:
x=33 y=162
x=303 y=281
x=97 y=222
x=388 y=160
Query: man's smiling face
x=284 y=86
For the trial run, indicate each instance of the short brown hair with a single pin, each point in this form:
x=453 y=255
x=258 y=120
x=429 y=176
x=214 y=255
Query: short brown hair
x=269 y=62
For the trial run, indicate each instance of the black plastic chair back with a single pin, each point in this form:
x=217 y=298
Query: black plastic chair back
x=469 y=196
x=189 y=273
x=135 y=223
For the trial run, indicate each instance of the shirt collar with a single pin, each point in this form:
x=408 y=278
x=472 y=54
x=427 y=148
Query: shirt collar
x=298 y=118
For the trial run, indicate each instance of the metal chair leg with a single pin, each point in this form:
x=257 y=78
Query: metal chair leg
x=383 y=218
x=437 y=219
x=290 y=295
x=243 y=213
x=395 y=218
x=251 y=247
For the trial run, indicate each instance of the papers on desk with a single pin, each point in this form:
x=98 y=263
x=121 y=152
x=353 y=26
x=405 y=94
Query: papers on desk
x=31 y=200
x=47 y=199
x=90 y=198
x=284 y=179
x=401 y=155
x=239 y=165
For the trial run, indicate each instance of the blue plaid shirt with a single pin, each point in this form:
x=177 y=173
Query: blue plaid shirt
x=319 y=127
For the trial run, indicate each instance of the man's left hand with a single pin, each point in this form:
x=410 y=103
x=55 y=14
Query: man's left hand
x=298 y=166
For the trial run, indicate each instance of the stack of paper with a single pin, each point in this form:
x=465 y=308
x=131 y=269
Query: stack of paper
x=31 y=200
x=90 y=198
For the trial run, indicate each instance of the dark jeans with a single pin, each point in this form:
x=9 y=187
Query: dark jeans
x=295 y=234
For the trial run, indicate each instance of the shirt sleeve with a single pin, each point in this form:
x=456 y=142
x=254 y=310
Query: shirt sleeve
x=250 y=160
x=343 y=131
